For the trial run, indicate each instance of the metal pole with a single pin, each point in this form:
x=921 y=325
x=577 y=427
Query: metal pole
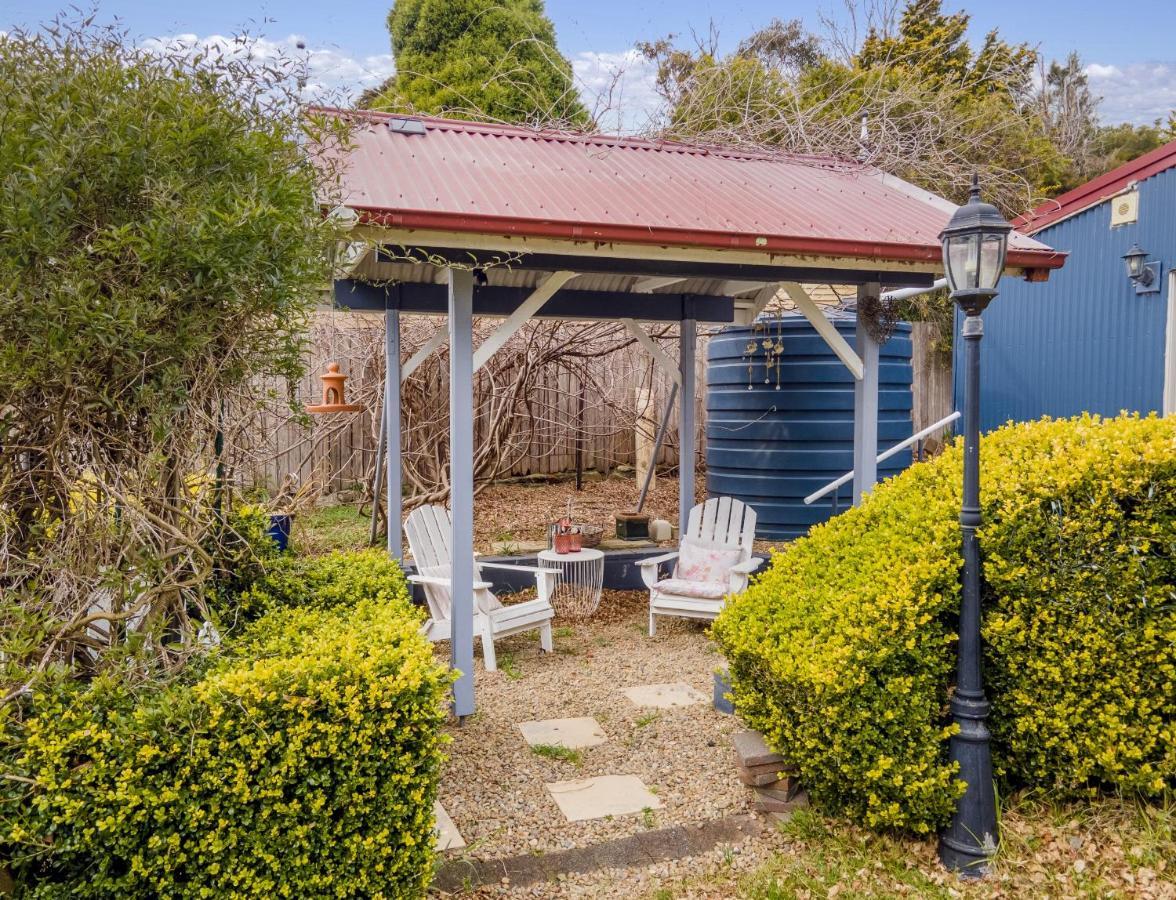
x=395 y=498
x=865 y=403
x=657 y=445
x=686 y=342
x=971 y=839
x=461 y=486
x=378 y=475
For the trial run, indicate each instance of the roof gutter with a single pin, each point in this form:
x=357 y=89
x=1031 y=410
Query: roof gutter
x=1035 y=260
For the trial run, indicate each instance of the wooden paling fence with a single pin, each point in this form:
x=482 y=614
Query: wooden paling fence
x=594 y=413
x=592 y=408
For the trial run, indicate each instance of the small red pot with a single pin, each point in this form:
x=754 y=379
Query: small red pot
x=567 y=543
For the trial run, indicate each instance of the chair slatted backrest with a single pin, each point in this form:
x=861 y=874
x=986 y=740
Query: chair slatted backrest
x=428 y=529
x=726 y=522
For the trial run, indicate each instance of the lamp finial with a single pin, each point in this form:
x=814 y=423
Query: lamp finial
x=974 y=194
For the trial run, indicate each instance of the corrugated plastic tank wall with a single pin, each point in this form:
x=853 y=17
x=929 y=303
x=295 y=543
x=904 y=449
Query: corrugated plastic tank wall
x=780 y=417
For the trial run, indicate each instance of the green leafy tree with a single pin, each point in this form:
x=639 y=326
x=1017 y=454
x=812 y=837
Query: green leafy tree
x=934 y=108
x=1119 y=144
x=493 y=59
x=161 y=244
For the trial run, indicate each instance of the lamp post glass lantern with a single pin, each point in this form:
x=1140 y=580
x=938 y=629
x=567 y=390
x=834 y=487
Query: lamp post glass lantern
x=974 y=245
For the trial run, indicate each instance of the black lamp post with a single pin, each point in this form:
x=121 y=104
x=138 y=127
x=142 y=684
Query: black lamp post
x=974 y=246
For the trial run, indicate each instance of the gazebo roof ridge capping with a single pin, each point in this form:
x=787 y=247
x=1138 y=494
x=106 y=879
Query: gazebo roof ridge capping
x=536 y=189
x=627 y=142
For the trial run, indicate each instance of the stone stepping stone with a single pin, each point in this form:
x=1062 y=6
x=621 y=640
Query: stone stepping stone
x=570 y=733
x=445 y=832
x=665 y=696
x=607 y=795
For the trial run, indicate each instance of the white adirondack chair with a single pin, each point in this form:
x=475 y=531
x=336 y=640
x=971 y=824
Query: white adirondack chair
x=722 y=530
x=428 y=529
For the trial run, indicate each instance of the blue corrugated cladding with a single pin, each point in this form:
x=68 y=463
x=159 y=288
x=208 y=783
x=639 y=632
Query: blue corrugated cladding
x=780 y=420
x=1084 y=341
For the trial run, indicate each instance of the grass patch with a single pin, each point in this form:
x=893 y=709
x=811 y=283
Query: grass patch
x=506 y=665
x=1107 y=847
x=555 y=751
x=648 y=817
x=564 y=631
x=647 y=719
x=331 y=528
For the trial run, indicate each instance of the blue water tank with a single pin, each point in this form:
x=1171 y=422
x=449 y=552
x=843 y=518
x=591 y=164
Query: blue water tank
x=780 y=417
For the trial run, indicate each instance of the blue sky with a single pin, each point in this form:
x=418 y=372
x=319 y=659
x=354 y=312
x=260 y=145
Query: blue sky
x=1130 y=47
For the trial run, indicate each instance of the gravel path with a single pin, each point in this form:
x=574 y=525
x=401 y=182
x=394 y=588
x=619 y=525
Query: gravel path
x=494 y=785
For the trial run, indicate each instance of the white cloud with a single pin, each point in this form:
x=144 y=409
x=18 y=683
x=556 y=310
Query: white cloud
x=1138 y=93
x=331 y=74
x=620 y=88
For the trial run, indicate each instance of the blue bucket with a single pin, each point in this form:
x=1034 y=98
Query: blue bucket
x=279 y=530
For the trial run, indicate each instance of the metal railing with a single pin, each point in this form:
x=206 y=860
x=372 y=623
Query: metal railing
x=917 y=437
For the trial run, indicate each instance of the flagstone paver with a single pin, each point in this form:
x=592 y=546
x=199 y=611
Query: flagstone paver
x=606 y=795
x=665 y=696
x=448 y=837
x=570 y=733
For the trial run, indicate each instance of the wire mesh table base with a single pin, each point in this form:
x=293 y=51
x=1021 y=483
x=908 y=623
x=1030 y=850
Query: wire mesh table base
x=577 y=591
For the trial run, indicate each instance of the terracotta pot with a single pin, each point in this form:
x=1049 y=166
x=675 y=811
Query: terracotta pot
x=567 y=543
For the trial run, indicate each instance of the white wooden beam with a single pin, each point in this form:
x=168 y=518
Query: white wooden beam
x=811 y=311
x=686 y=346
x=651 y=284
x=461 y=487
x=865 y=404
x=662 y=358
x=735 y=288
x=351 y=256
x=391 y=425
x=426 y=349
x=747 y=309
x=519 y=317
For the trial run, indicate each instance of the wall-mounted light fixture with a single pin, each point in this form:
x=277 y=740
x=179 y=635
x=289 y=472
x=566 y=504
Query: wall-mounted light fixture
x=1143 y=274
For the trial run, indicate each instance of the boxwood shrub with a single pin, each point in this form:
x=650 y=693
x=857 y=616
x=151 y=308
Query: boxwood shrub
x=333 y=580
x=302 y=762
x=843 y=652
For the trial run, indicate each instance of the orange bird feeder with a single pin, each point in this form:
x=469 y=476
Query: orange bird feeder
x=333 y=393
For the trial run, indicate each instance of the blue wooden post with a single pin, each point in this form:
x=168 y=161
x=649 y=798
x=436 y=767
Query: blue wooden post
x=461 y=484
x=391 y=423
x=865 y=404
x=686 y=424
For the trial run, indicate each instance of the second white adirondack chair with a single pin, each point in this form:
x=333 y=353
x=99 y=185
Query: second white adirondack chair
x=428 y=529
x=713 y=561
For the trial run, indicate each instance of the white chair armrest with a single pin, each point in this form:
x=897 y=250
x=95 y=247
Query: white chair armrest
x=658 y=560
x=652 y=566
x=513 y=567
x=738 y=574
x=747 y=566
x=445 y=582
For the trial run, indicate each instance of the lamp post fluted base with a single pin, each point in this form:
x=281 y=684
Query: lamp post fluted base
x=970 y=841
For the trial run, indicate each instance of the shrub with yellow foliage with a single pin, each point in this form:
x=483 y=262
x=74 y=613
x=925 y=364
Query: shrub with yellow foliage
x=843 y=652
x=302 y=761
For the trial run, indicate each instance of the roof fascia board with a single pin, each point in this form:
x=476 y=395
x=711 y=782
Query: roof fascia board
x=905 y=274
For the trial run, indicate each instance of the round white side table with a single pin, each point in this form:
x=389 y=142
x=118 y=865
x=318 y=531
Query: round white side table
x=577 y=590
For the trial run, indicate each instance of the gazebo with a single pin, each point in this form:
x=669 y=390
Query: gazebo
x=460 y=219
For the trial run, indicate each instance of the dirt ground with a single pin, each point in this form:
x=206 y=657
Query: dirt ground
x=515 y=512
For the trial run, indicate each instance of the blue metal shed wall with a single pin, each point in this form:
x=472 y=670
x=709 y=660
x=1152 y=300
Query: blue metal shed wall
x=1083 y=341
x=780 y=425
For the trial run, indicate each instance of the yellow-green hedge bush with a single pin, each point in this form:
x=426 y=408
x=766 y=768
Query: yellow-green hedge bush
x=843 y=652
x=337 y=579
x=303 y=763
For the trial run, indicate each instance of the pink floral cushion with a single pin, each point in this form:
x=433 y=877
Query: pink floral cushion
x=701 y=590
x=701 y=561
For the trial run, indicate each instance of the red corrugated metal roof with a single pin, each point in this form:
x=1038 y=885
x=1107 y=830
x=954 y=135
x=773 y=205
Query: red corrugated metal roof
x=507 y=180
x=1098 y=190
